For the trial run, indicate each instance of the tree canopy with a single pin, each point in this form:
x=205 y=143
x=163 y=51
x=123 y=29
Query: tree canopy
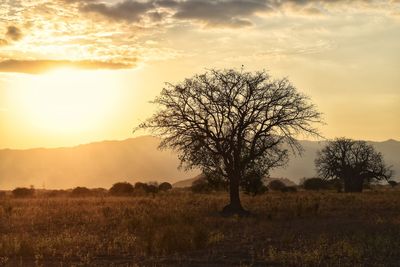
x=232 y=123
x=353 y=162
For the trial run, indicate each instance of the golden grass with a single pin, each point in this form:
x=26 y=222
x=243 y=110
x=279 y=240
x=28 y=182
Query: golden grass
x=181 y=228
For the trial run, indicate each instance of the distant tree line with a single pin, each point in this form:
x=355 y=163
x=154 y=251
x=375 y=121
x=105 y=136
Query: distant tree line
x=251 y=187
x=118 y=189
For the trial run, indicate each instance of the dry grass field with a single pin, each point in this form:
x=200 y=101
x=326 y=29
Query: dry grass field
x=185 y=229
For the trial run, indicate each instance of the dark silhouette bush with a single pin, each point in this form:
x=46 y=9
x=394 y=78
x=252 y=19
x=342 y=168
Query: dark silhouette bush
x=255 y=190
x=277 y=185
x=121 y=189
x=55 y=193
x=99 y=192
x=335 y=184
x=315 y=184
x=289 y=189
x=81 y=192
x=164 y=186
x=392 y=183
x=139 y=186
x=23 y=192
x=253 y=185
x=200 y=186
x=152 y=189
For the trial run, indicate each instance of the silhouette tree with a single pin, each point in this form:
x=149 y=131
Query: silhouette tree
x=353 y=162
x=230 y=122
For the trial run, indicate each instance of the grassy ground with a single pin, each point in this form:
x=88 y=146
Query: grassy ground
x=185 y=229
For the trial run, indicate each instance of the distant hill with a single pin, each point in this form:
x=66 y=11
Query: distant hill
x=136 y=159
x=186 y=182
x=94 y=165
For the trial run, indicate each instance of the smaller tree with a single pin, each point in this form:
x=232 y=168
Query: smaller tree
x=165 y=186
x=121 y=189
x=355 y=163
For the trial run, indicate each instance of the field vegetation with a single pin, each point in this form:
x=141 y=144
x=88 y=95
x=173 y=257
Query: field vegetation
x=182 y=228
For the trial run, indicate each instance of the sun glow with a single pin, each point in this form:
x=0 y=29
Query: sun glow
x=66 y=100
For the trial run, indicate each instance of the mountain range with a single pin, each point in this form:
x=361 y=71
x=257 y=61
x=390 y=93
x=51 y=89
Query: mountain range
x=101 y=164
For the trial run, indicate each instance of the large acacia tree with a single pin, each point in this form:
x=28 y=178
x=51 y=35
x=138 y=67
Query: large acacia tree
x=352 y=162
x=232 y=124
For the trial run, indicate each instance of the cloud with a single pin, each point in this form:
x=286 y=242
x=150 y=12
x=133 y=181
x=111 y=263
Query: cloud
x=156 y=16
x=14 y=33
x=232 y=13
x=3 y=42
x=312 y=11
x=212 y=13
x=127 y=10
x=40 y=66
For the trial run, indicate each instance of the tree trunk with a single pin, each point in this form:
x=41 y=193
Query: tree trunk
x=235 y=206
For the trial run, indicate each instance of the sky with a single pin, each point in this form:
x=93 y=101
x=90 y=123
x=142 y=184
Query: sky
x=79 y=71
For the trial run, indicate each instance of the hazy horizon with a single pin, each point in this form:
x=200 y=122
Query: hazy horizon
x=101 y=164
x=149 y=135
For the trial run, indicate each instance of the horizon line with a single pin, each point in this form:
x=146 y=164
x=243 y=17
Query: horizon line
x=148 y=135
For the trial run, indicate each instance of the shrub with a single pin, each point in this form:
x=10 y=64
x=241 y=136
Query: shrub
x=139 y=186
x=151 y=188
x=200 y=186
x=99 y=192
x=55 y=193
x=315 y=184
x=392 y=183
x=335 y=184
x=23 y=192
x=253 y=187
x=289 y=189
x=121 y=189
x=164 y=186
x=81 y=192
x=277 y=185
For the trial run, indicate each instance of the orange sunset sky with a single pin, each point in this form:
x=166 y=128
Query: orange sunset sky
x=78 y=71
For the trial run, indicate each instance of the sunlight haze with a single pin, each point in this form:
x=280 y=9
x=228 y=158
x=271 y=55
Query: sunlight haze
x=74 y=72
